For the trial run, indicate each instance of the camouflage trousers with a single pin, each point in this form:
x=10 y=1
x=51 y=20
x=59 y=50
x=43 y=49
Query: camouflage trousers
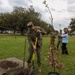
x=38 y=54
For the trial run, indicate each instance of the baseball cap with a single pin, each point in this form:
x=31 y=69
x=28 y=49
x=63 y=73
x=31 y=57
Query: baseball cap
x=29 y=24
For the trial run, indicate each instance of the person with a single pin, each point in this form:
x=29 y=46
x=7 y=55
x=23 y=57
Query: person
x=59 y=39
x=32 y=34
x=64 y=41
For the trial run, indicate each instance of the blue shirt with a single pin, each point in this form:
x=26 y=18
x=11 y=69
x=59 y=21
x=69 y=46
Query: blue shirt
x=64 y=38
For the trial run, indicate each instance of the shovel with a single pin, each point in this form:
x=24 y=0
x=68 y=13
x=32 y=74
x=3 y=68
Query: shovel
x=33 y=57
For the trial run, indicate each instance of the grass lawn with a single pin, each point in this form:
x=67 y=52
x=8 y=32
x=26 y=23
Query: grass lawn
x=13 y=46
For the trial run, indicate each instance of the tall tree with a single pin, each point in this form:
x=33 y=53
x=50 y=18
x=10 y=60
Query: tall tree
x=32 y=15
x=19 y=19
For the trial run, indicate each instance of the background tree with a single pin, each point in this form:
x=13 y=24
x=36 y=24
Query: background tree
x=72 y=24
x=19 y=17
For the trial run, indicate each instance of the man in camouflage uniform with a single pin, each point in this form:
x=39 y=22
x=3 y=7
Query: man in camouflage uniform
x=32 y=33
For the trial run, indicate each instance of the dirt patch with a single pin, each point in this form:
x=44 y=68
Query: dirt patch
x=8 y=64
x=13 y=65
x=19 y=71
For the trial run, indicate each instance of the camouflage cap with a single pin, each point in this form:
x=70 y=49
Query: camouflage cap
x=29 y=24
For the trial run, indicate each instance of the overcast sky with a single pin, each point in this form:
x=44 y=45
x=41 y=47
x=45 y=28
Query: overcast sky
x=62 y=10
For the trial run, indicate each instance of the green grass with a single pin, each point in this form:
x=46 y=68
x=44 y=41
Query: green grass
x=13 y=46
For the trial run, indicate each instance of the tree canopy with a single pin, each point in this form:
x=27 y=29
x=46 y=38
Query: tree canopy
x=19 y=17
x=72 y=24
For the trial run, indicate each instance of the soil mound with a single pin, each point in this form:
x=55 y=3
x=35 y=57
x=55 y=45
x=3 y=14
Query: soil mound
x=8 y=64
x=11 y=64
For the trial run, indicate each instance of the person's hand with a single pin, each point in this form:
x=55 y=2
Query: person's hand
x=34 y=47
x=38 y=30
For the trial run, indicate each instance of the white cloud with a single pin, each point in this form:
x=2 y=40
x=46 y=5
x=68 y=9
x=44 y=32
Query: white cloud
x=62 y=10
x=71 y=1
x=5 y=6
x=58 y=9
x=18 y=3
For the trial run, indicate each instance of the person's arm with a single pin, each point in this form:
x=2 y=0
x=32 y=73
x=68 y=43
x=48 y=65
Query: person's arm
x=39 y=36
x=63 y=35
